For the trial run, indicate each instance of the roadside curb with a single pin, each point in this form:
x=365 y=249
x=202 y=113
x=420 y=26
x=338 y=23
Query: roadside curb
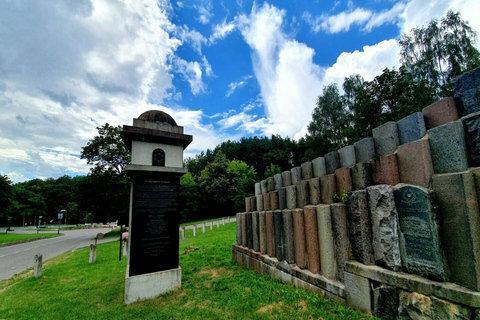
x=8 y=244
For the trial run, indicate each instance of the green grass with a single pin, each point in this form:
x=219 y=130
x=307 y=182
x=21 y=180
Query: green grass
x=213 y=287
x=14 y=237
x=115 y=233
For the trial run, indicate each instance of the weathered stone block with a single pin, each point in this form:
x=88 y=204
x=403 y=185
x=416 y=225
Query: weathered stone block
x=258 y=190
x=288 y=236
x=383 y=214
x=344 y=181
x=471 y=124
x=314 y=191
x=307 y=170
x=415 y=163
x=291 y=193
x=386 y=138
x=419 y=240
x=266 y=202
x=270 y=184
x=274 y=200
x=262 y=232
x=466 y=90
x=263 y=186
x=278 y=181
x=359 y=227
x=259 y=202
x=447 y=310
x=340 y=237
x=282 y=198
x=311 y=239
x=361 y=175
x=244 y=229
x=270 y=233
x=319 y=168
x=302 y=194
x=332 y=162
x=347 y=156
x=239 y=228
x=248 y=205
x=255 y=232
x=299 y=238
x=278 y=226
x=411 y=128
x=459 y=221
x=448 y=148
x=358 y=292
x=296 y=173
x=253 y=203
x=328 y=264
x=440 y=112
x=286 y=178
x=364 y=150
x=249 y=229
x=414 y=306
x=385 y=302
x=328 y=188
x=385 y=170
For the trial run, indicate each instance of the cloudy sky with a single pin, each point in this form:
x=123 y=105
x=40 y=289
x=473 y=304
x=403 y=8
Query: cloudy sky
x=222 y=69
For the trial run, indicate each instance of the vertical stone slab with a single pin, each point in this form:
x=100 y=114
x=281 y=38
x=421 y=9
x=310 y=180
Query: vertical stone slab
x=247 y=205
x=286 y=178
x=262 y=232
x=296 y=174
x=278 y=181
x=415 y=163
x=344 y=181
x=414 y=306
x=447 y=310
x=255 y=232
x=328 y=188
x=471 y=124
x=314 y=191
x=358 y=292
x=440 y=112
x=332 y=162
x=249 y=229
x=258 y=190
x=93 y=253
x=359 y=227
x=383 y=214
x=328 y=264
x=361 y=175
x=37 y=265
x=253 y=204
x=319 y=168
x=386 y=138
x=307 y=170
x=411 y=128
x=263 y=186
x=194 y=230
x=347 y=156
x=270 y=233
x=385 y=170
x=459 y=221
x=364 y=150
x=244 y=229
x=282 y=198
x=385 y=301
x=288 y=236
x=270 y=184
x=274 y=200
x=311 y=239
x=291 y=193
x=340 y=237
x=266 y=202
x=302 y=194
x=419 y=240
x=278 y=226
x=259 y=202
x=466 y=90
x=448 y=148
x=299 y=238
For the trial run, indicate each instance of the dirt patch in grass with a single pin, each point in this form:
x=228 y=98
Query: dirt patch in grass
x=269 y=307
x=301 y=305
x=215 y=273
x=192 y=249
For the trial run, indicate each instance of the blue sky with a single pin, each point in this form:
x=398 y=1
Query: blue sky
x=222 y=69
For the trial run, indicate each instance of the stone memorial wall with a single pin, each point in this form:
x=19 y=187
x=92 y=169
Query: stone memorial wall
x=406 y=241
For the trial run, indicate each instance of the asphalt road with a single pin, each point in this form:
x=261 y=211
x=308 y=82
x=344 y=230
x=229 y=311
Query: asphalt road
x=19 y=257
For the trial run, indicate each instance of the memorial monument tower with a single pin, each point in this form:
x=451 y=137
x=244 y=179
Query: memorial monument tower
x=156 y=144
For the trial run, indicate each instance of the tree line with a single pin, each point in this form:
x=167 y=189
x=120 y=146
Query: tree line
x=219 y=180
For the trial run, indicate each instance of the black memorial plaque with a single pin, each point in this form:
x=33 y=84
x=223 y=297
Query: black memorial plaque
x=155 y=222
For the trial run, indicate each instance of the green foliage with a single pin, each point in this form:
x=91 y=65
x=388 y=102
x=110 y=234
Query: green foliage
x=271 y=171
x=7 y=204
x=191 y=204
x=440 y=51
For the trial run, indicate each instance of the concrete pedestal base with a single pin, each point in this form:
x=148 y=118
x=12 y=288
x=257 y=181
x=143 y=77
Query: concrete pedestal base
x=152 y=285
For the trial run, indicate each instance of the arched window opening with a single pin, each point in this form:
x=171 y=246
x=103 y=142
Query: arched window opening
x=158 y=158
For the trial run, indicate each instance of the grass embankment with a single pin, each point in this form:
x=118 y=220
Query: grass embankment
x=213 y=287
x=16 y=237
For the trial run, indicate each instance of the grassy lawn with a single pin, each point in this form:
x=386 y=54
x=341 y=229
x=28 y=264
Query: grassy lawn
x=213 y=287
x=14 y=237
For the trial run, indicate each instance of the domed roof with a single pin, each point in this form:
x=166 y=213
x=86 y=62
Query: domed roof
x=157 y=116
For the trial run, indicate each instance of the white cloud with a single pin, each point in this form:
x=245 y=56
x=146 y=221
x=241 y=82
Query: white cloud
x=193 y=37
x=191 y=72
x=386 y=16
x=236 y=85
x=221 y=31
x=339 y=22
x=204 y=13
x=208 y=68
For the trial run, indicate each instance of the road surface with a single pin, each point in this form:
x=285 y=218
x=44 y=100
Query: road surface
x=19 y=257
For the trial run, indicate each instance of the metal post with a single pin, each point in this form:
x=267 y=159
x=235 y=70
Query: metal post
x=120 y=251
